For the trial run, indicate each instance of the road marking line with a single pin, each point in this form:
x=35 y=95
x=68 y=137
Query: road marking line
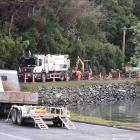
x=123 y=138
x=9 y=135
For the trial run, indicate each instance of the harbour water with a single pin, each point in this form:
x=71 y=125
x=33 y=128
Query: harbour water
x=125 y=111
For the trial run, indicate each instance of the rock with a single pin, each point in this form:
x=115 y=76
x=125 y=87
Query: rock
x=87 y=94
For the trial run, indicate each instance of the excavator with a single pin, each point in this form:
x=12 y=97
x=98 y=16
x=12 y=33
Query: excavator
x=83 y=67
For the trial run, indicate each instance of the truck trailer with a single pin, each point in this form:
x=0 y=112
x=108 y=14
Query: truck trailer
x=132 y=71
x=10 y=93
x=23 y=107
x=44 y=66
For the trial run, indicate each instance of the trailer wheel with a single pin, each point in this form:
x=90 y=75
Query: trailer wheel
x=19 y=117
x=57 y=124
x=14 y=116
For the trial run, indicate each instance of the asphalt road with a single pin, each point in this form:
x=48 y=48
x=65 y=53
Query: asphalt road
x=9 y=131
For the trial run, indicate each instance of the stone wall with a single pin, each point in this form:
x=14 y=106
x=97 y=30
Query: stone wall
x=88 y=94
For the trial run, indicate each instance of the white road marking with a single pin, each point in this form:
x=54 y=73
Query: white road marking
x=123 y=138
x=12 y=136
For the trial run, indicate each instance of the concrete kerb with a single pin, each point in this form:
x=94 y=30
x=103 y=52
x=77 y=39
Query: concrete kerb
x=134 y=128
x=128 y=128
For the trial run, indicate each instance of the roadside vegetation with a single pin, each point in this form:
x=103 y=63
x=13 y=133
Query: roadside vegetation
x=90 y=29
x=36 y=86
x=100 y=121
x=138 y=87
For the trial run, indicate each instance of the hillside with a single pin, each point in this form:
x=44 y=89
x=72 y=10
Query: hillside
x=91 y=29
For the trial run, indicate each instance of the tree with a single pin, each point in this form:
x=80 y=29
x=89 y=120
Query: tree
x=136 y=40
x=119 y=14
x=53 y=39
x=91 y=29
x=32 y=35
x=108 y=57
x=10 y=51
x=136 y=8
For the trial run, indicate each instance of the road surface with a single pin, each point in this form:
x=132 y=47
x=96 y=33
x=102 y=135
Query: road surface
x=9 y=131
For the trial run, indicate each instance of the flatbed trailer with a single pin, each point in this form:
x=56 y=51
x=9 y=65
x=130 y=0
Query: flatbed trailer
x=22 y=106
x=41 y=115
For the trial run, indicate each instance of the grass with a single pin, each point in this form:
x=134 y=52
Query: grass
x=138 y=87
x=100 y=121
x=36 y=86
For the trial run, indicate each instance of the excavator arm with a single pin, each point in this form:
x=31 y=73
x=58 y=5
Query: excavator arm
x=85 y=70
x=78 y=62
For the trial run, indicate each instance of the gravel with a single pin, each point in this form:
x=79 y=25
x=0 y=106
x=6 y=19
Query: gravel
x=108 y=93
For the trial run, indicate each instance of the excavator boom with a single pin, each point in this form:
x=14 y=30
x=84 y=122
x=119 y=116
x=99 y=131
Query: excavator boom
x=78 y=62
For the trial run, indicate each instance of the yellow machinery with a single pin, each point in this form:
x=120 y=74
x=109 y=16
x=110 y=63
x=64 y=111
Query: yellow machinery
x=83 y=66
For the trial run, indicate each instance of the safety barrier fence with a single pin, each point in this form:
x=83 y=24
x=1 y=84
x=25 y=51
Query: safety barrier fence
x=88 y=77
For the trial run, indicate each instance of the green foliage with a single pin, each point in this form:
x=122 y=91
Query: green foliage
x=32 y=35
x=87 y=25
x=8 y=48
x=89 y=29
x=54 y=40
x=136 y=57
x=100 y=121
x=136 y=8
x=108 y=57
x=120 y=15
x=136 y=40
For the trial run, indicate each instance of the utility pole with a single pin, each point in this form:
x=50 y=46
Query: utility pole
x=123 y=43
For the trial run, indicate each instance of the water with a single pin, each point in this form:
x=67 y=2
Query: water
x=126 y=111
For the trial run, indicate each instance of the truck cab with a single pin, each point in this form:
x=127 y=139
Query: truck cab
x=49 y=66
x=132 y=70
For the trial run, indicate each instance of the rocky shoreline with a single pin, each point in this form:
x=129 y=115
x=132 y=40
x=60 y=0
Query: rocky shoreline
x=95 y=94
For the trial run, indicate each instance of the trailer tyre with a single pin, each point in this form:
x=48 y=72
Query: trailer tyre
x=19 y=117
x=14 y=116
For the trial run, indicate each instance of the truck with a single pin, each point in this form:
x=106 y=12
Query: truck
x=10 y=93
x=48 y=66
x=132 y=70
x=22 y=107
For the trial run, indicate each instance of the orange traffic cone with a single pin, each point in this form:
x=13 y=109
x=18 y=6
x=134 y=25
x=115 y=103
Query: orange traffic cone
x=139 y=75
x=25 y=77
x=79 y=76
x=54 y=78
x=67 y=77
x=33 y=78
x=110 y=76
x=100 y=76
x=119 y=77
